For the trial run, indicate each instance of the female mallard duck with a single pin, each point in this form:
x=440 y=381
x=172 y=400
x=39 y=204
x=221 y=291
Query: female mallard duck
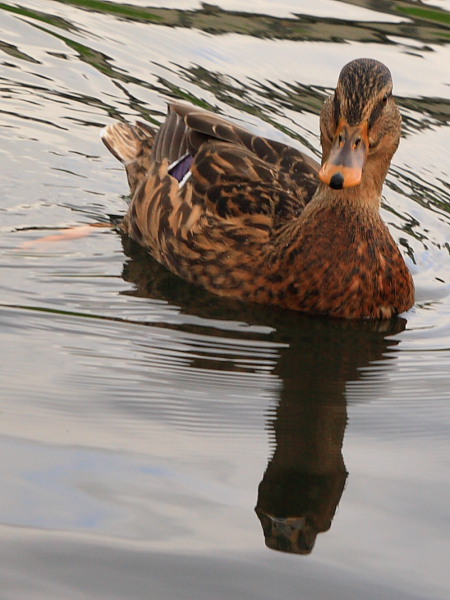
x=257 y=220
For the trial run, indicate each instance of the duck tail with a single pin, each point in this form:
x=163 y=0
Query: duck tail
x=131 y=145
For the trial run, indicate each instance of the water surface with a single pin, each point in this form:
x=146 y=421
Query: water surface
x=158 y=442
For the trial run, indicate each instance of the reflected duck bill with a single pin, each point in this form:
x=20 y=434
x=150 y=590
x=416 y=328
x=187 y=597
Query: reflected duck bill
x=344 y=165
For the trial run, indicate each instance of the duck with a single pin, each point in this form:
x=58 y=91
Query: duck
x=259 y=221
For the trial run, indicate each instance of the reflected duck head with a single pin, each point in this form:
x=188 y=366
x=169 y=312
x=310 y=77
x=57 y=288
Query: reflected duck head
x=293 y=535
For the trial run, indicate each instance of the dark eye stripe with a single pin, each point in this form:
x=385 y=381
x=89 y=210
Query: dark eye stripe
x=376 y=112
x=337 y=109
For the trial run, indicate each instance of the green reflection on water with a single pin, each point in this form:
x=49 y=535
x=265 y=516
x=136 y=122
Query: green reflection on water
x=428 y=25
x=39 y=16
x=429 y=14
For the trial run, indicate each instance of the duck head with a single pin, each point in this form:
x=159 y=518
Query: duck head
x=358 y=124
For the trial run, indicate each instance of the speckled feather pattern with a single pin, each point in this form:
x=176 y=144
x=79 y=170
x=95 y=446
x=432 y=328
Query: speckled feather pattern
x=252 y=221
x=358 y=88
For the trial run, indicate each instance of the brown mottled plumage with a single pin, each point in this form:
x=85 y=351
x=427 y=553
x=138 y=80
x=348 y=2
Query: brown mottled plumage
x=254 y=219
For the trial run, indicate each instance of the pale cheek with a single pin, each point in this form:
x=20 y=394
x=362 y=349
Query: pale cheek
x=377 y=138
x=374 y=137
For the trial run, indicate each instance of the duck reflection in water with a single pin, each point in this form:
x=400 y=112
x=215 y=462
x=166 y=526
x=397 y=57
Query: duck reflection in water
x=305 y=476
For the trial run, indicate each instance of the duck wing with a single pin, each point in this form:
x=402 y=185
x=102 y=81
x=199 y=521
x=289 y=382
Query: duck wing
x=205 y=191
x=188 y=129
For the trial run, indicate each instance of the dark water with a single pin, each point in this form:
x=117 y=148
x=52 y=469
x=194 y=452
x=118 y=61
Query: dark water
x=142 y=420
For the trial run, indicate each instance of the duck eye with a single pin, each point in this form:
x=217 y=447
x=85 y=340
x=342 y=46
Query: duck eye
x=385 y=98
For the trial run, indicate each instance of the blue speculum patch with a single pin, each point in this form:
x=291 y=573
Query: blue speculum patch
x=180 y=168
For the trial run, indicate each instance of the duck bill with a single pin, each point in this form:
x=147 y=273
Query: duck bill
x=345 y=163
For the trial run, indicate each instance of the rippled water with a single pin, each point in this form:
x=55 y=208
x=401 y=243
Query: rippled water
x=158 y=442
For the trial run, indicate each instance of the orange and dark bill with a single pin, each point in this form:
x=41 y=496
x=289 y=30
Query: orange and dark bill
x=344 y=165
